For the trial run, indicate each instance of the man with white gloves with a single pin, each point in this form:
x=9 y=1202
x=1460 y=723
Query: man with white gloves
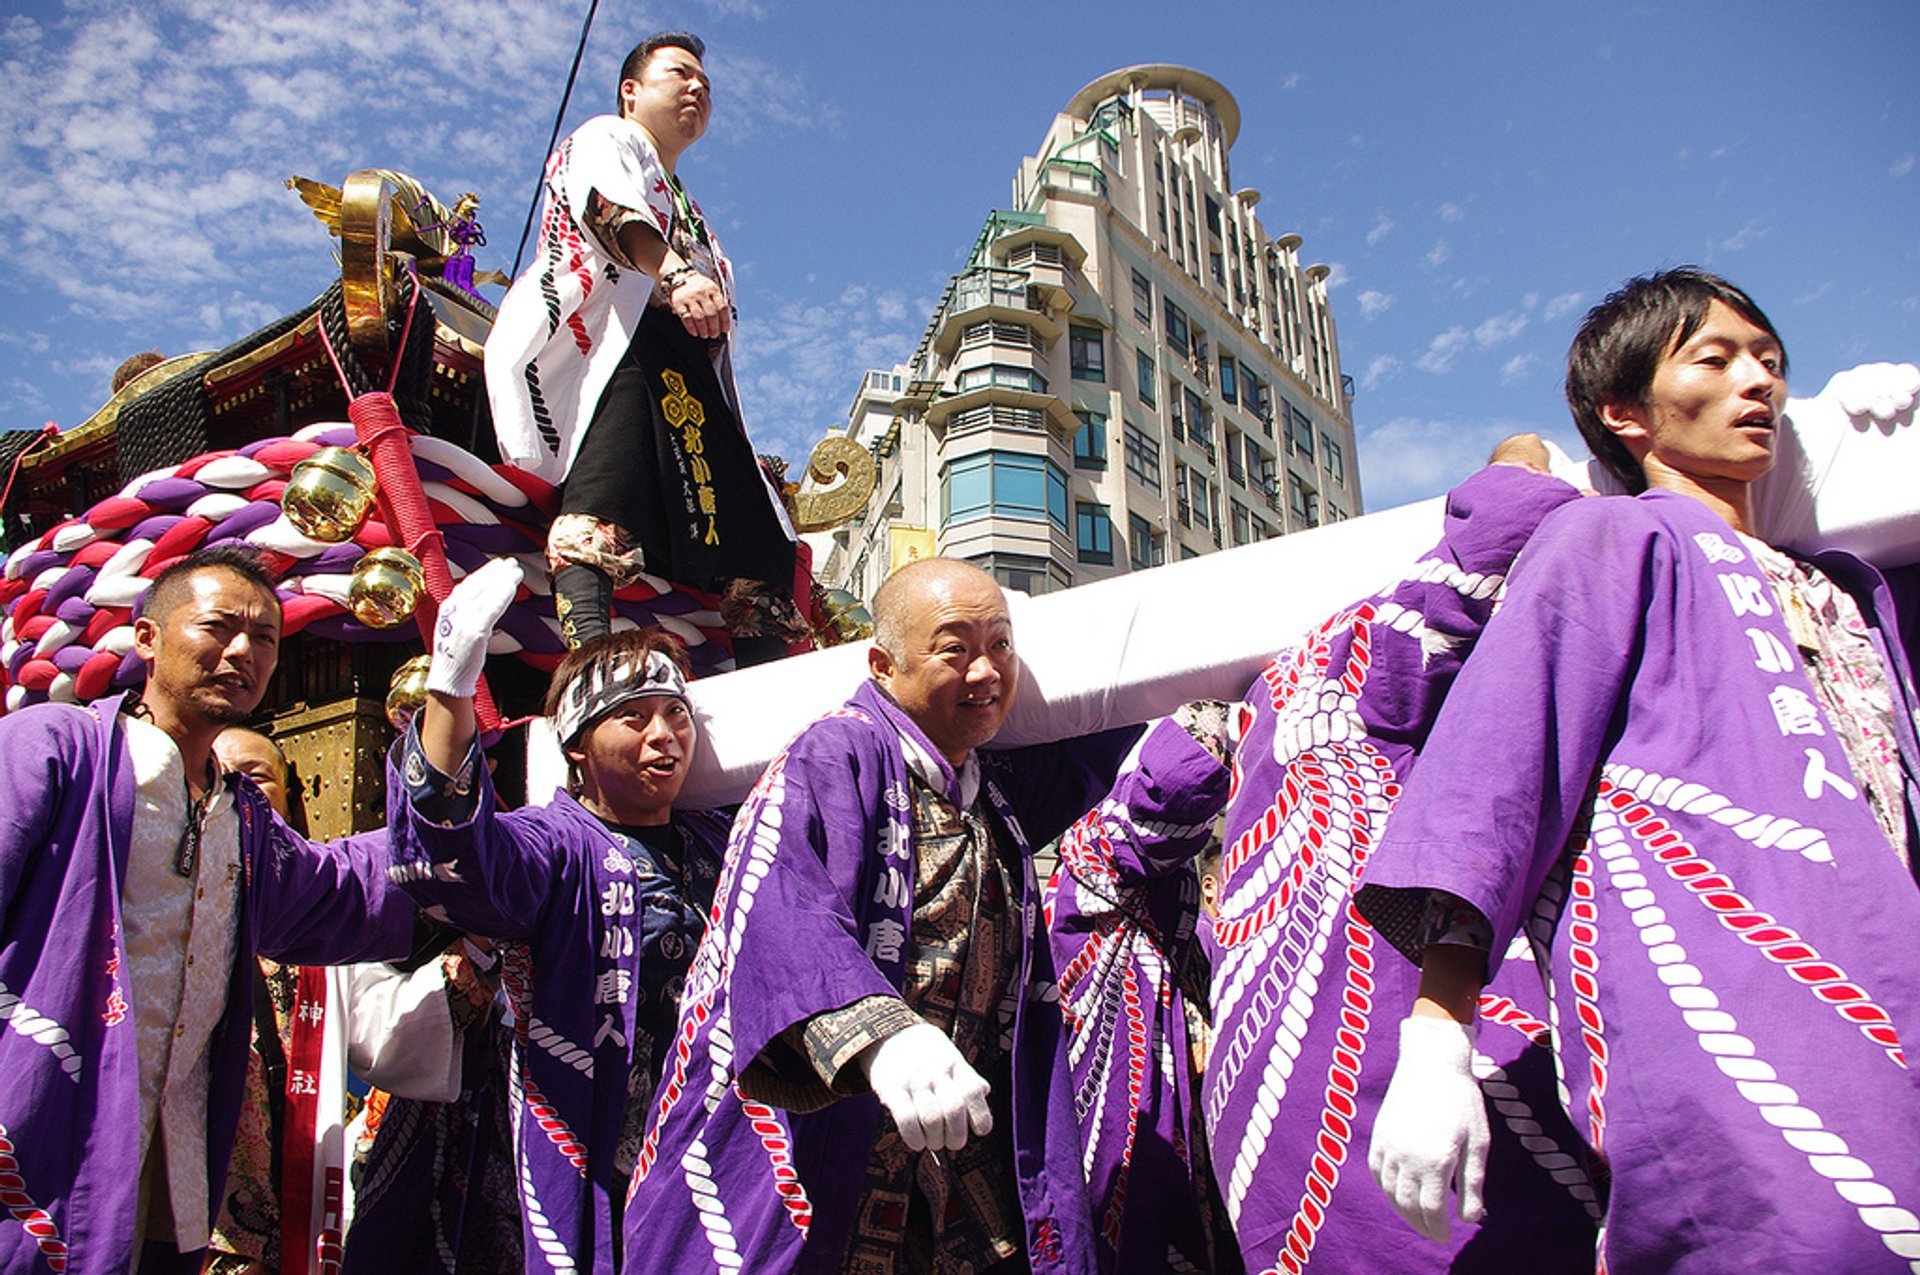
x=598 y=898
x=1681 y=766
x=867 y=1075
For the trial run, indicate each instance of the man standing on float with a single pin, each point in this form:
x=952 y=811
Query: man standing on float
x=610 y=373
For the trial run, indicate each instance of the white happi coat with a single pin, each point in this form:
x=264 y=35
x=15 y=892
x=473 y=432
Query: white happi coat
x=566 y=322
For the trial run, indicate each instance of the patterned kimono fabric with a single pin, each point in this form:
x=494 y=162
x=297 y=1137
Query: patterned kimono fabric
x=1306 y=1000
x=69 y=1109
x=823 y=862
x=1121 y=914
x=599 y=925
x=1636 y=774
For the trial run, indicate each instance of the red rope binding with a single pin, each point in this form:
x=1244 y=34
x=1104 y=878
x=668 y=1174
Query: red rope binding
x=402 y=500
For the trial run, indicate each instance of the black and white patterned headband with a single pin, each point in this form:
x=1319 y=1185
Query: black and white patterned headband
x=609 y=682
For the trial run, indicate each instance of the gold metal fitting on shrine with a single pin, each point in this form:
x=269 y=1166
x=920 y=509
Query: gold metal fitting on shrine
x=386 y=587
x=329 y=494
x=848 y=619
x=407 y=691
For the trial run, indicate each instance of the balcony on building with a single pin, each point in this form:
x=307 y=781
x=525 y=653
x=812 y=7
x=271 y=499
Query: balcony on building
x=988 y=295
x=1049 y=257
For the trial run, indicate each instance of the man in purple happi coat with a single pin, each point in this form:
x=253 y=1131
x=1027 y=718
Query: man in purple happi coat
x=1122 y=911
x=1324 y=739
x=1681 y=765
x=136 y=887
x=869 y=1070
x=1329 y=734
x=599 y=898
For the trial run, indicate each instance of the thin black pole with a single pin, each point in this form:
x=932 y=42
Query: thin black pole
x=527 y=227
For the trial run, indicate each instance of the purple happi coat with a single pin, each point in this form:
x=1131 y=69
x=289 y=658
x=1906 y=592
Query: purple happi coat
x=1121 y=914
x=1731 y=941
x=70 y=1097
x=584 y=919
x=813 y=913
x=1306 y=1000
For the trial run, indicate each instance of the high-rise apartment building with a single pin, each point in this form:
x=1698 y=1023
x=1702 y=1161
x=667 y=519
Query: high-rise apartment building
x=1128 y=370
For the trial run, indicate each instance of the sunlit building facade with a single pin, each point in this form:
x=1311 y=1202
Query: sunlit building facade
x=1129 y=369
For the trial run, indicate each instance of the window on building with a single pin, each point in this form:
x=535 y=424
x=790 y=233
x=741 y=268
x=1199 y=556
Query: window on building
x=1259 y=466
x=1087 y=348
x=1090 y=441
x=1019 y=378
x=1199 y=418
x=1242 y=523
x=1303 y=499
x=1213 y=216
x=1004 y=485
x=1302 y=434
x=1146 y=547
x=1249 y=394
x=1202 y=366
x=1143 y=457
x=1217 y=267
x=1024 y=572
x=1230 y=443
x=1144 y=373
x=1176 y=327
x=1176 y=411
x=1017 y=335
x=1093 y=533
x=1194 y=497
x=1332 y=461
x=1143 y=299
x=1229 y=384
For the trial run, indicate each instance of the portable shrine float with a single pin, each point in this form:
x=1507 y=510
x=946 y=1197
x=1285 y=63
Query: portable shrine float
x=350 y=444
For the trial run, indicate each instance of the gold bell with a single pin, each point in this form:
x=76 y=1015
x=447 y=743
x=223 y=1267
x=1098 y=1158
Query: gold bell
x=386 y=587
x=848 y=619
x=329 y=494
x=407 y=691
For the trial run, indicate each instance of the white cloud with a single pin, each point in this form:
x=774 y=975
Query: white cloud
x=1451 y=213
x=1443 y=350
x=1373 y=302
x=1741 y=239
x=1438 y=254
x=1292 y=80
x=142 y=149
x=1379 y=368
x=1382 y=227
x=1902 y=166
x=1337 y=275
x=1808 y=298
x=1516 y=367
x=1411 y=458
x=1499 y=329
x=1565 y=303
x=799 y=363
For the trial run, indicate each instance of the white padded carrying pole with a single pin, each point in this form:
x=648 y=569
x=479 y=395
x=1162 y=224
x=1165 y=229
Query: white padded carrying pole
x=1136 y=646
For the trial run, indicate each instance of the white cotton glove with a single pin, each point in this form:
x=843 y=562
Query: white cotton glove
x=932 y=1093
x=1880 y=390
x=1431 y=1133
x=466 y=621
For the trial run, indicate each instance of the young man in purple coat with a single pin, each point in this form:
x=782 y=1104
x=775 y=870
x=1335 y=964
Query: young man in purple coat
x=869 y=1070
x=599 y=898
x=136 y=886
x=1681 y=765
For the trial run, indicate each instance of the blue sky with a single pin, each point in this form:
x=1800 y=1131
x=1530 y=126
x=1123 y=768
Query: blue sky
x=1475 y=174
